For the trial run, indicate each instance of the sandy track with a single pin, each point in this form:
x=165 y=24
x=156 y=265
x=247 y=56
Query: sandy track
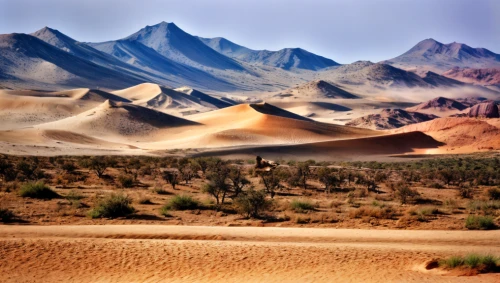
x=154 y=253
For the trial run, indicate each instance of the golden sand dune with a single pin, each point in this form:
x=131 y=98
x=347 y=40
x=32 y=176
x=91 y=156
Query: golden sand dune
x=164 y=99
x=27 y=108
x=118 y=120
x=131 y=253
x=257 y=124
x=461 y=134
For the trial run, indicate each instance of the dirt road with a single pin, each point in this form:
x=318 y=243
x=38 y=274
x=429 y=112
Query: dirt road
x=155 y=253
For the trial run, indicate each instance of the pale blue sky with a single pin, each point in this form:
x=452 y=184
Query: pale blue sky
x=343 y=30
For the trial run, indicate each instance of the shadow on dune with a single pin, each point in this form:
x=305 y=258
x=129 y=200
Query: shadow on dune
x=336 y=150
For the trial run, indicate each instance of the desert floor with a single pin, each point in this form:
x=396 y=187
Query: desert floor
x=159 y=253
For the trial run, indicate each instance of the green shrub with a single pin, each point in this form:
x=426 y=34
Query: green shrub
x=181 y=203
x=112 y=206
x=74 y=195
x=472 y=260
x=474 y=222
x=251 y=203
x=301 y=206
x=452 y=262
x=483 y=263
x=6 y=215
x=37 y=190
x=489 y=262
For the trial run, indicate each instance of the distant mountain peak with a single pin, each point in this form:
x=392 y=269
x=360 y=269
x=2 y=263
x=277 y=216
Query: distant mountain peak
x=173 y=43
x=52 y=36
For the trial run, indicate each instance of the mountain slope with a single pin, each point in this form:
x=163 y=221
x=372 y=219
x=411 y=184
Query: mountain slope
x=27 y=59
x=440 y=106
x=204 y=98
x=390 y=119
x=486 y=77
x=316 y=89
x=175 y=44
x=83 y=51
x=147 y=59
x=286 y=58
x=365 y=72
x=441 y=81
x=431 y=55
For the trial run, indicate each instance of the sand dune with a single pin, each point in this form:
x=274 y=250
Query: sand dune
x=233 y=254
x=166 y=99
x=255 y=124
x=348 y=149
x=27 y=108
x=460 y=134
x=119 y=120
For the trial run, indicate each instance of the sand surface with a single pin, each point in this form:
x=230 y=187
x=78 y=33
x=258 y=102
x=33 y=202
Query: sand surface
x=155 y=253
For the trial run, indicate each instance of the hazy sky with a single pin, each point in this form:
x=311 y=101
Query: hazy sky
x=343 y=30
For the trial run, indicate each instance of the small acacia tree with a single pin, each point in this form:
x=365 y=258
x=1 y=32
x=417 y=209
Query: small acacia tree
x=238 y=180
x=98 y=165
x=171 y=177
x=187 y=172
x=217 y=185
x=328 y=178
x=404 y=192
x=271 y=181
x=304 y=172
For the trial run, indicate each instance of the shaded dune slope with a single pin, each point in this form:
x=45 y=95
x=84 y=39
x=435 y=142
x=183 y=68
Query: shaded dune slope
x=341 y=149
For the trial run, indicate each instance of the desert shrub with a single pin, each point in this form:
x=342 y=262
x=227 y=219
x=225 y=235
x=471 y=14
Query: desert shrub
x=477 y=222
x=74 y=195
x=37 y=190
x=494 y=193
x=251 y=203
x=404 y=192
x=6 y=215
x=68 y=166
x=465 y=192
x=487 y=207
x=181 y=203
x=452 y=262
x=484 y=263
x=301 y=205
x=472 y=260
x=375 y=212
x=144 y=200
x=112 y=206
x=160 y=191
x=424 y=213
x=126 y=181
x=436 y=185
x=301 y=220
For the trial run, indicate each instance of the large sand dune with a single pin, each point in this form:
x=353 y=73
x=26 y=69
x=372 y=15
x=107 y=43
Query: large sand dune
x=233 y=254
x=27 y=108
x=118 y=120
x=371 y=148
x=169 y=100
x=460 y=135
